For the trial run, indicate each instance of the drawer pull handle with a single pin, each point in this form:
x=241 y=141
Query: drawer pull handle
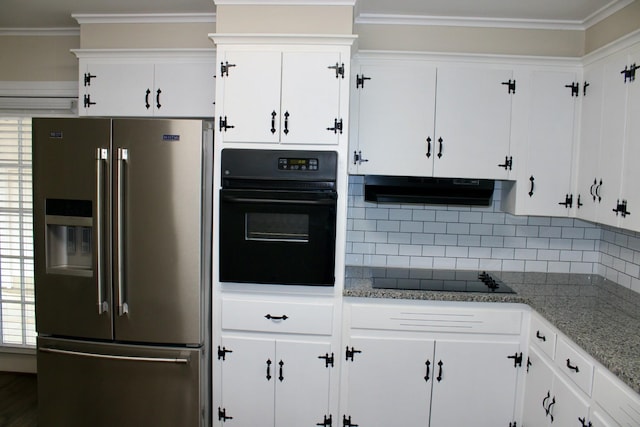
x=281 y=376
x=573 y=368
x=426 y=377
x=544 y=402
x=439 y=378
x=270 y=317
x=269 y=369
x=540 y=336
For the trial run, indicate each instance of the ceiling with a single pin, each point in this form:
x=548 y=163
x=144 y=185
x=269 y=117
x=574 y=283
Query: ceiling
x=25 y=14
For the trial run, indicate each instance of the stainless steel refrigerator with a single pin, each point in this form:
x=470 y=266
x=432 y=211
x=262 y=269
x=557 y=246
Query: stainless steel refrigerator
x=122 y=226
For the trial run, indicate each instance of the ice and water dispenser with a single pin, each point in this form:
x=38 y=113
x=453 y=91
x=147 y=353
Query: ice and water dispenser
x=69 y=225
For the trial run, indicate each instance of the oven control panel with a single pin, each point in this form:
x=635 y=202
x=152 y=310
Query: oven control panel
x=297 y=164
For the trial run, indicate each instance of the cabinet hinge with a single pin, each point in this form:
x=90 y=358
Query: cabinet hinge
x=358 y=159
x=326 y=422
x=337 y=126
x=222 y=353
x=224 y=124
x=575 y=89
x=513 y=424
x=328 y=360
x=621 y=208
x=528 y=364
x=339 y=69
x=87 y=79
x=87 y=101
x=511 y=86
x=508 y=163
x=360 y=80
x=517 y=359
x=583 y=422
x=629 y=72
x=222 y=415
x=224 y=68
x=346 y=421
x=568 y=201
x=585 y=85
x=350 y=353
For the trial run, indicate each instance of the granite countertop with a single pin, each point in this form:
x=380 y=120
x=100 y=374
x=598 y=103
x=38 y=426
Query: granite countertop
x=600 y=316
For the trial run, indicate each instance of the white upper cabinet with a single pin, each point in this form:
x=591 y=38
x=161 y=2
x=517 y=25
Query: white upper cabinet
x=124 y=83
x=280 y=96
x=415 y=117
x=543 y=143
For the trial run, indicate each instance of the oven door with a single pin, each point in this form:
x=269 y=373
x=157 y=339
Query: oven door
x=277 y=237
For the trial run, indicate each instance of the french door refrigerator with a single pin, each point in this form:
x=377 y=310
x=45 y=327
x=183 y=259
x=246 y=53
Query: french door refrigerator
x=122 y=226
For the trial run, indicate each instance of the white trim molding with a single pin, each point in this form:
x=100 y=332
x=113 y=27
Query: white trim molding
x=144 y=18
x=46 y=32
x=35 y=98
x=286 y=2
x=283 y=39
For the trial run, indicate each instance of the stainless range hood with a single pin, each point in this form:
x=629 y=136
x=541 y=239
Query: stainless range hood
x=430 y=191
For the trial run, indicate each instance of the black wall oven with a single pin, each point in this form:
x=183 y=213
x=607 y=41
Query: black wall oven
x=278 y=217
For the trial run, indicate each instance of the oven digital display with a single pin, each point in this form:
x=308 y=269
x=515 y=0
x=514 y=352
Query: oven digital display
x=297 y=164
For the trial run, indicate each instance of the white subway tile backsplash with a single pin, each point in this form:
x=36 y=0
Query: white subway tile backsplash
x=471 y=238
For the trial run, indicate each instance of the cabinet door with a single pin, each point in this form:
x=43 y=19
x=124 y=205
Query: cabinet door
x=249 y=374
x=549 y=141
x=302 y=383
x=389 y=382
x=475 y=384
x=120 y=89
x=310 y=97
x=590 y=137
x=473 y=118
x=184 y=89
x=537 y=393
x=250 y=96
x=396 y=118
x=567 y=405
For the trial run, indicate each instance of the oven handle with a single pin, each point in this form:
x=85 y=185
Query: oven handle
x=316 y=202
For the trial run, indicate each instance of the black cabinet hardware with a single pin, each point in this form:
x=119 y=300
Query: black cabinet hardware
x=426 y=377
x=568 y=201
x=87 y=79
x=339 y=69
x=286 y=122
x=584 y=88
x=573 y=368
x=440 y=141
x=224 y=124
x=439 y=377
x=575 y=89
x=528 y=364
x=513 y=424
x=326 y=422
x=273 y=121
x=544 y=402
x=158 y=92
x=360 y=80
x=224 y=68
x=583 y=421
x=428 y=146
x=358 y=159
x=540 y=336
x=270 y=317
x=517 y=359
x=222 y=353
x=532 y=179
x=346 y=421
x=146 y=99
x=269 y=369
x=222 y=415
x=621 y=208
x=508 y=163
x=511 y=86
x=350 y=353
x=328 y=360
x=87 y=101
x=579 y=203
x=337 y=126
x=281 y=371
x=629 y=72
x=553 y=402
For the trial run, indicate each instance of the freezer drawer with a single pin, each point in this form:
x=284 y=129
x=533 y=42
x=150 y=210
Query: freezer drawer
x=105 y=385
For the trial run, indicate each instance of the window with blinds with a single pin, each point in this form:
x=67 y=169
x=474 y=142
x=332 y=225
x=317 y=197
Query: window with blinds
x=17 y=302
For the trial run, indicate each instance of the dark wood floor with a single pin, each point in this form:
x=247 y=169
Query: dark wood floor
x=18 y=400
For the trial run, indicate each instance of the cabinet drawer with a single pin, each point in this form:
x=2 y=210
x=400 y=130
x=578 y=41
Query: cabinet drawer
x=408 y=317
x=620 y=402
x=576 y=366
x=279 y=317
x=543 y=336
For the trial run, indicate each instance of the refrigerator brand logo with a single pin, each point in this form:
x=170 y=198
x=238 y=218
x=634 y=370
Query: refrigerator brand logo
x=55 y=135
x=171 y=137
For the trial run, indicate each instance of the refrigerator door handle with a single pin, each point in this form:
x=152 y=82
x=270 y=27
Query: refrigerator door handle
x=101 y=157
x=182 y=361
x=123 y=307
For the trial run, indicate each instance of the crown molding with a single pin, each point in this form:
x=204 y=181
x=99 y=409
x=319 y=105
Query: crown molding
x=47 y=32
x=143 y=18
x=605 y=12
x=286 y=2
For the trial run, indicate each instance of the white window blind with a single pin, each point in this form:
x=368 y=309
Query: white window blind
x=17 y=302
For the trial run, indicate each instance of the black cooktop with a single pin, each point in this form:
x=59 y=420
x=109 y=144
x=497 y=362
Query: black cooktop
x=437 y=280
